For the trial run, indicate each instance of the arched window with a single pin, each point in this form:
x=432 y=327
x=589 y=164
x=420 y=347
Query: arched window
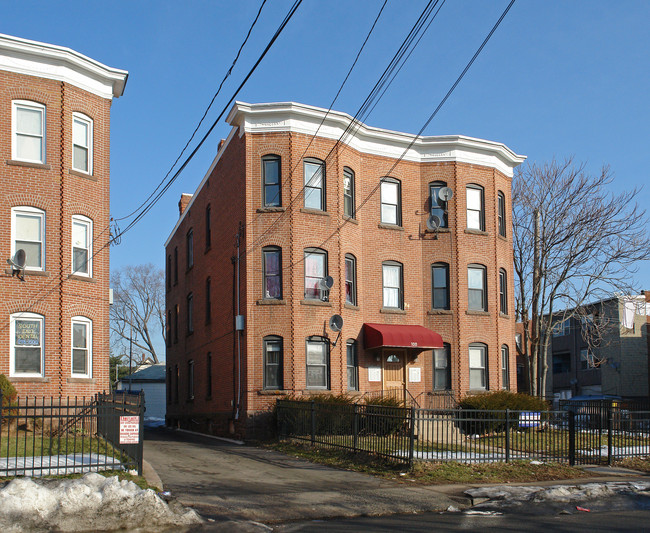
x=393 y=285
x=28 y=131
x=315 y=271
x=440 y=286
x=271 y=181
x=272 y=273
x=82 y=243
x=352 y=364
x=505 y=367
x=348 y=193
x=317 y=357
x=475 y=207
x=27 y=332
x=28 y=234
x=82 y=143
x=442 y=367
x=350 y=279
x=82 y=347
x=391 y=201
x=273 y=362
x=477 y=288
x=501 y=213
x=314 y=180
x=438 y=206
x=503 y=291
x=478 y=366
x=208 y=227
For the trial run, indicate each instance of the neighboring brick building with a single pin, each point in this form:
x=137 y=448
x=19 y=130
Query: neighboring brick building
x=54 y=192
x=618 y=365
x=305 y=207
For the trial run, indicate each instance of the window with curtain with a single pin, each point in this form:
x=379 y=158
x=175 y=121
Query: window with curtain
x=315 y=271
x=478 y=366
x=348 y=193
x=272 y=265
x=350 y=279
x=317 y=359
x=392 y=285
x=273 y=362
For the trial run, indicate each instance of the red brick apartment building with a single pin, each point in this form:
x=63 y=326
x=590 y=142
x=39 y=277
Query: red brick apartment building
x=54 y=197
x=423 y=311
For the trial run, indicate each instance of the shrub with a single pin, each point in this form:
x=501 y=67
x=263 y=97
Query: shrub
x=477 y=417
x=8 y=391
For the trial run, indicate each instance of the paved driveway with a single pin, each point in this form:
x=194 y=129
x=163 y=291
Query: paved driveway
x=225 y=480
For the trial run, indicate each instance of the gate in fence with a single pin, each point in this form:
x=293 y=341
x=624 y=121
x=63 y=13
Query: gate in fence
x=60 y=436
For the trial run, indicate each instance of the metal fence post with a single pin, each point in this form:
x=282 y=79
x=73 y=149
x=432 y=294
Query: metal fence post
x=313 y=422
x=610 y=436
x=140 y=454
x=507 y=435
x=412 y=437
x=355 y=424
x=572 y=438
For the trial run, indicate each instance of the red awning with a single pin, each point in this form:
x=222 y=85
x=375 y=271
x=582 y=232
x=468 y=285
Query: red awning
x=398 y=336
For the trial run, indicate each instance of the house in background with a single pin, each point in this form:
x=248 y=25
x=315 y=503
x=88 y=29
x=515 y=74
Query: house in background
x=406 y=241
x=54 y=196
x=617 y=366
x=149 y=379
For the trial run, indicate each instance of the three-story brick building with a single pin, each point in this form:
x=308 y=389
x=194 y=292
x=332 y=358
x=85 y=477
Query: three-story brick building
x=296 y=195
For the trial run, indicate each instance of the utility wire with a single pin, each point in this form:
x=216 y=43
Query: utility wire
x=228 y=73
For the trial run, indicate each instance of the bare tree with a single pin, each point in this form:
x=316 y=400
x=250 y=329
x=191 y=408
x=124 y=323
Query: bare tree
x=577 y=240
x=138 y=306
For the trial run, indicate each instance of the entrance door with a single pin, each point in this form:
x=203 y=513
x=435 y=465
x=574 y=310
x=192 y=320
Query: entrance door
x=394 y=361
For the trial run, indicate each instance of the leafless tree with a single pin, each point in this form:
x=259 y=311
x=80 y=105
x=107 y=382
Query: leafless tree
x=577 y=240
x=138 y=305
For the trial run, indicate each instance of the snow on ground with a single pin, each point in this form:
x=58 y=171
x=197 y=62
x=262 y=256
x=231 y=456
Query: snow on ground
x=54 y=465
x=503 y=496
x=153 y=422
x=92 y=503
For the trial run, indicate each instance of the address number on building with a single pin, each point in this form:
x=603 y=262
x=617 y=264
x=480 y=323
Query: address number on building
x=129 y=429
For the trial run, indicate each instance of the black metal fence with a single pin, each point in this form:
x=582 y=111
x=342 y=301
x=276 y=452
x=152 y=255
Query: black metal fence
x=60 y=436
x=410 y=434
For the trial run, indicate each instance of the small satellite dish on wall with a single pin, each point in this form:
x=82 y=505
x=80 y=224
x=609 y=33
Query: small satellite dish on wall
x=326 y=283
x=445 y=194
x=433 y=222
x=17 y=263
x=336 y=322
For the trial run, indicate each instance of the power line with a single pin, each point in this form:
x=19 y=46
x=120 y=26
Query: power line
x=228 y=73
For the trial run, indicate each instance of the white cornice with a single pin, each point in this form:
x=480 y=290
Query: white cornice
x=300 y=118
x=62 y=64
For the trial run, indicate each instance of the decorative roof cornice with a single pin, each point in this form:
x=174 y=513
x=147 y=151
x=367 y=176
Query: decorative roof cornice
x=49 y=61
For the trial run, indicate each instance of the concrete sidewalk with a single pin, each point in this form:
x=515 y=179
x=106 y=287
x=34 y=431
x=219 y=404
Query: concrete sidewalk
x=227 y=481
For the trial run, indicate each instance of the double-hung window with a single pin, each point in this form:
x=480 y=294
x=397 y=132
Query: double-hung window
x=438 y=206
x=348 y=193
x=314 y=175
x=273 y=362
x=82 y=143
x=501 y=210
x=28 y=131
x=350 y=279
x=440 y=285
x=315 y=271
x=190 y=313
x=476 y=285
x=391 y=208
x=82 y=236
x=28 y=234
x=503 y=291
x=189 y=249
x=392 y=285
x=475 y=209
x=271 y=185
x=478 y=366
x=505 y=366
x=317 y=358
x=27 y=331
x=272 y=264
x=82 y=342
x=442 y=367
x=352 y=364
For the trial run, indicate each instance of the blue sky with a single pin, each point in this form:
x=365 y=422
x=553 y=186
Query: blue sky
x=557 y=79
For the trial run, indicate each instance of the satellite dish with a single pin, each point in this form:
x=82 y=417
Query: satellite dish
x=433 y=222
x=17 y=263
x=445 y=194
x=336 y=322
x=326 y=283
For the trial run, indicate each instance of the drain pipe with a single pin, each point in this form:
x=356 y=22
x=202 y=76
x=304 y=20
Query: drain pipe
x=239 y=320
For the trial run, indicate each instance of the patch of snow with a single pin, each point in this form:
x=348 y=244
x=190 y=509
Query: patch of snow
x=153 y=422
x=92 y=503
x=55 y=465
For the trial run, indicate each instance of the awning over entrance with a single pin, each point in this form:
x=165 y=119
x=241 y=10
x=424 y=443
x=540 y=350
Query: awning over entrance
x=398 y=336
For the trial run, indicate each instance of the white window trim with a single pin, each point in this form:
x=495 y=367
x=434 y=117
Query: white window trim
x=89 y=348
x=31 y=211
x=14 y=134
x=89 y=224
x=12 y=341
x=89 y=122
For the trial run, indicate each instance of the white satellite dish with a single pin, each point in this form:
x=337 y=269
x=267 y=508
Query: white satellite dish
x=326 y=283
x=336 y=322
x=433 y=222
x=17 y=263
x=445 y=194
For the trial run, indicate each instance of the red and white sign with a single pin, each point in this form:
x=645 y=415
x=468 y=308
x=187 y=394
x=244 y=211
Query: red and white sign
x=129 y=429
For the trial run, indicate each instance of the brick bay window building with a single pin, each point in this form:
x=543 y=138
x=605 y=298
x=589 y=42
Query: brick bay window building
x=291 y=226
x=54 y=190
